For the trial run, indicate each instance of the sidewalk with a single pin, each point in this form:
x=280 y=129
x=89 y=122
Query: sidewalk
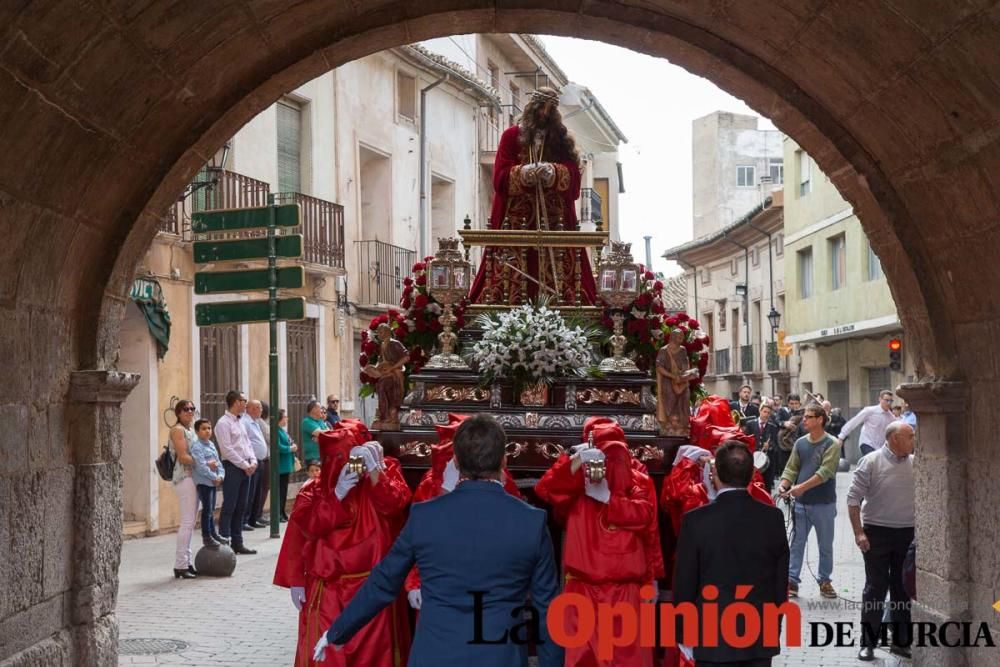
x=245 y=620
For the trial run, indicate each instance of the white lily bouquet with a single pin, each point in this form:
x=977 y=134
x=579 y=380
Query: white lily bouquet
x=532 y=344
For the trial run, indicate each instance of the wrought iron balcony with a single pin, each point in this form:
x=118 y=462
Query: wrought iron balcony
x=223 y=189
x=322 y=228
x=746 y=359
x=381 y=268
x=775 y=362
x=590 y=207
x=721 y=366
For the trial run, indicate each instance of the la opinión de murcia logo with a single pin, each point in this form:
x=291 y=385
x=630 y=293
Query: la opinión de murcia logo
x=739 y=624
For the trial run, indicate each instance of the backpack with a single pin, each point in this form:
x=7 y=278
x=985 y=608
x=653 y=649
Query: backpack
x=165 y=464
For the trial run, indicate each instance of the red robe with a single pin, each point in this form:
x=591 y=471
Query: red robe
x=329 y=548
x=604 y=555
x=516 y=203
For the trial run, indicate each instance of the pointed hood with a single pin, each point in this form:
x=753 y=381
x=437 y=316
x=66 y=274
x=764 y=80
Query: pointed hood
x=334 y=447
x=357 y=428
x=442 y=452
x=605 y=430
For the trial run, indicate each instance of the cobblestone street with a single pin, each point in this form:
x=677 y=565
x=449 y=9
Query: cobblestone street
x=244 y=620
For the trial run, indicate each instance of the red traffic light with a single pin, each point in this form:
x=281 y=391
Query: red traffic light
x=895 y=345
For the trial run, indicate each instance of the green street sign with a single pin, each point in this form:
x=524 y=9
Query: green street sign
x=230 y=251
x=215 y=282
x=233 y=219
x=241 y=312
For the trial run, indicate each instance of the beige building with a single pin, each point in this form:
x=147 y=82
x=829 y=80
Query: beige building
x=378 y=178
x=735 y=279
x=841 y=315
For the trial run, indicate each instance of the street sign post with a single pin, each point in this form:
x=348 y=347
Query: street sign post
x=272 y=279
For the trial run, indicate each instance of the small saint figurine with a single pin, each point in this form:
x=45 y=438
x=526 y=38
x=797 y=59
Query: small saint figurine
x=393 y=356
x=673 y=389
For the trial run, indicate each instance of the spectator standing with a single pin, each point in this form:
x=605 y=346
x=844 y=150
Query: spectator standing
x=208 y=475
x=332 y=409
x=261 y=450
x=312 y=425
x=881 y=506
x=873 y=420
x=811 y=478
x=286 y=460
x=779 y=412
x=181 y=437
x=240 y=464
x=909 y=416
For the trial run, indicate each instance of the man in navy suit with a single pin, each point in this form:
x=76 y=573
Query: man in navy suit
x=481 y=553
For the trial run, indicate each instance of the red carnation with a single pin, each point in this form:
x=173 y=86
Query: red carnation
x=419 y=266
x=421 y=280
x=694 y=324
x=364 y=335
x=407 y=281
x=374 y=323
x=643 y=300
x=706 y=341
x=671 y=321
x=420 y=325
x=658 y=308
x=382 y=319
x=401 y=331
x=369 y=348
x=420 y=301
x=648 y=275
x=657 y=285
x=406 y=303
x=363 y=359
x=682 y=316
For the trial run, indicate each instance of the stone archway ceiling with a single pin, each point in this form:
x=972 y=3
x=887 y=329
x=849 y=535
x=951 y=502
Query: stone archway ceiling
x=108 y=108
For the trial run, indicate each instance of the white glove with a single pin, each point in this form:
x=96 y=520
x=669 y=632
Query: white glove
x=599 y=491
x=706 y=479
x=414 y=598
x=450 y=477
x=371 y=461
x=591 y=454
x=576 y=449
x=347 y=481
x=319 y=652
x=375 y=447
x=546 y=173
x=298 y=596
x=529 y=174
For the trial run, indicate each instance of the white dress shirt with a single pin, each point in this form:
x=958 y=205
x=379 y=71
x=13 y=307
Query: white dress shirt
x=873 y=421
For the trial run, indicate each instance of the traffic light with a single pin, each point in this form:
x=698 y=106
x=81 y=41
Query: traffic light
x=896 y=354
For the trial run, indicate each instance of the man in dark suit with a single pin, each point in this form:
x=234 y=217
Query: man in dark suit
x=765 y=434
x=744 y=406
x=734 y=541
x=480 y=553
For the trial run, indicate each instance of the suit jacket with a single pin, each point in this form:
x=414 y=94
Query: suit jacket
x=476 y=538
x=733 y=541
x=751 y=410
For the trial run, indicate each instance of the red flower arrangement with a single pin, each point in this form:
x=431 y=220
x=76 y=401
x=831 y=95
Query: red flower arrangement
x=643 y=324
x=416 y=326
x=696 y=342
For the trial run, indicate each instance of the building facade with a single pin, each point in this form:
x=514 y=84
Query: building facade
x=378 y=177
x=731 y=158
x=841 y=315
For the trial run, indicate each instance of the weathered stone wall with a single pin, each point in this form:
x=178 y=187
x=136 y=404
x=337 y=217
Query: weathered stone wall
x=107 y=111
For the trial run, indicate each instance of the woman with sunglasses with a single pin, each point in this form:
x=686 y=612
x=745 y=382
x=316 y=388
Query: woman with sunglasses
x=182 y=436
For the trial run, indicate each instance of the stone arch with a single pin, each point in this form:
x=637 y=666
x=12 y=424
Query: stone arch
x=107 y=113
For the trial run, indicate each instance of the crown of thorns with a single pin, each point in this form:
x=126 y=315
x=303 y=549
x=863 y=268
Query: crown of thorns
x=543 y=96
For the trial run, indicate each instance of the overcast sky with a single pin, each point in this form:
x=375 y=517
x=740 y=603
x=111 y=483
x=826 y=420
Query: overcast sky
x=653 y=102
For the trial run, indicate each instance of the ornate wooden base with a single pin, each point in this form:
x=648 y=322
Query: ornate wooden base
x=537 y=434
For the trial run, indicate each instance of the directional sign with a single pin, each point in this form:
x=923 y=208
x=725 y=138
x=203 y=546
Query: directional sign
x=230 y=251
x=290 y=277
x=233 y=219
x=241 y=312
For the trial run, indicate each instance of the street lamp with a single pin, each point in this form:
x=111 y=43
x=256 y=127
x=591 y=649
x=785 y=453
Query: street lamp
x=774 y=317
x=618 y=286
x=449 y=283
x=212 y=171
x=741 y=290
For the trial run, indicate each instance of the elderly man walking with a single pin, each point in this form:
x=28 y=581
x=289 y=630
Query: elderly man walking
x=881 y=506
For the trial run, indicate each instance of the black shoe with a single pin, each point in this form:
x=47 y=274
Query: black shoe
x=240 y=549
x=283 y=519
x=247 y=526
x=866 y=654
x=901 y=651
x=192 y=570
x=208 y=541
x=258 y=524
x=184 y=574
x=220 y=539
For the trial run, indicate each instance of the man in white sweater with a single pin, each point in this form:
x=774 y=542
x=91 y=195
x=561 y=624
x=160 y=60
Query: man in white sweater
x=873 y=420
x=880 y=504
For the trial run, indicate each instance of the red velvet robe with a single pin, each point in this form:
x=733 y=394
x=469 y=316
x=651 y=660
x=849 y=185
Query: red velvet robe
x=329 y=548
x=605 y=550
x=516 y=203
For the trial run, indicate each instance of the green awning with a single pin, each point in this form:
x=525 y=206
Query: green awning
x=148 y=295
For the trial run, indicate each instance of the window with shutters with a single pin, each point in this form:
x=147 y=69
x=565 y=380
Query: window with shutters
x=289 y=146
x=406 y=96
x=805 y=258
x=805 y=172
x=838 y=261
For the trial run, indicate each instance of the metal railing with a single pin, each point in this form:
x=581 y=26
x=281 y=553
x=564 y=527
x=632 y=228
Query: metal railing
x=590 y=207
x=381 y=269
x=227 y=189
x=492 y=125
x=721 y=366
x=322 y=228
x=746 y=358
x=775 y=362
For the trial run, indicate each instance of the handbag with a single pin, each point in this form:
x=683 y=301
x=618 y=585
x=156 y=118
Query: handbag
x=165 y=464
x=296 y=464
